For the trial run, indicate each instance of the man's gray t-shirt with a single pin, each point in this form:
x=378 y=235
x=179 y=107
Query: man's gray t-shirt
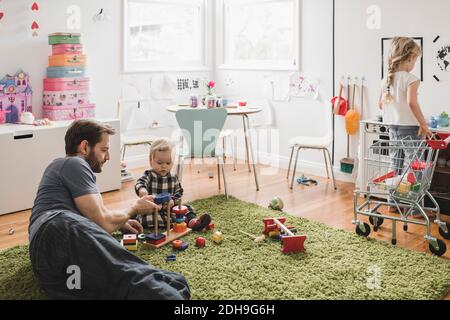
x=64 y=180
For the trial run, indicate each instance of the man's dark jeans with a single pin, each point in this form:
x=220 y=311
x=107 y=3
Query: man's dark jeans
x=108 y=271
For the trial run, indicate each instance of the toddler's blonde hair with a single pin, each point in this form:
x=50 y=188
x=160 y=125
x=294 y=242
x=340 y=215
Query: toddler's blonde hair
x=402 y=49
x=161 y=145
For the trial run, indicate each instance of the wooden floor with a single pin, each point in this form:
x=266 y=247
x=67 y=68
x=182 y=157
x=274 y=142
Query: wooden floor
x=320 y=203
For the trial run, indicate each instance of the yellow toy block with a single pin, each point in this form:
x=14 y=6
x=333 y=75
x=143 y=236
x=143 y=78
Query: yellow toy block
x=273 y=234
x=404 y=188
x=129 y=247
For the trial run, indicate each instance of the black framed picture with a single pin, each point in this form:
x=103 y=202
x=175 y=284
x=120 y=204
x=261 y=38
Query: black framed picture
x=386 y=46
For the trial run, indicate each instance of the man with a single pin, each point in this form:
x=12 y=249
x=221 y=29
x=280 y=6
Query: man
x=72 y=252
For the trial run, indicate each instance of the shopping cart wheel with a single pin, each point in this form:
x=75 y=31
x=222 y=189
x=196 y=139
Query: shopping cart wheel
x=363 y=233
x=440 y=250
x=445 y=235
x=394 y=242
x=405 y=227
x=376 y=225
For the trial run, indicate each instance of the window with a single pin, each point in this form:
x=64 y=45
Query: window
x=260 y=34
x=164 y=35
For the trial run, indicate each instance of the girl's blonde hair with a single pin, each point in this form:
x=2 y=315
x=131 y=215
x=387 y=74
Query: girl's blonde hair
x=402 y=49
x=161 y=145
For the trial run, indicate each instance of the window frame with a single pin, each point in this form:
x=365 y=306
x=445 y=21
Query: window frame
x=206 y=35
x=255 y=65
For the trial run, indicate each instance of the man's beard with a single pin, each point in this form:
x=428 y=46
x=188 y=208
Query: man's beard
x=93 y=162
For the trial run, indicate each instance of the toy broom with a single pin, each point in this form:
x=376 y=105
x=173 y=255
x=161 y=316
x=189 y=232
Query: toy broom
x=347 y=164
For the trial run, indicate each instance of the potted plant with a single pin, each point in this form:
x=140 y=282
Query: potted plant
x=443 y=120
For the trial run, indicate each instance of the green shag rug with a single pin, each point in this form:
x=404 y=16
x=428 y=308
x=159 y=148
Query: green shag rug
x=336 y=265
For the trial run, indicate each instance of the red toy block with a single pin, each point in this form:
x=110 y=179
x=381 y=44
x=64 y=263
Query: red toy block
x=385 y=177
x=129 y=239
x=293 y=244
x=269 y=224
x=210 y=226
x=180 y=210
x=412 y=178
x=156 y=242
x=200 y=242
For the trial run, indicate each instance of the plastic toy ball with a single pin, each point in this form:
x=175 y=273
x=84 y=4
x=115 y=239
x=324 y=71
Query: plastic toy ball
x=276 y=204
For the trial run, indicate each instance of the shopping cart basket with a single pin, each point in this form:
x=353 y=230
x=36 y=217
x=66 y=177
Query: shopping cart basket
x=399 y=175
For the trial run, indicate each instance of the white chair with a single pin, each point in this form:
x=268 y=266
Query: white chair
x=134 y=137
x=316 y=143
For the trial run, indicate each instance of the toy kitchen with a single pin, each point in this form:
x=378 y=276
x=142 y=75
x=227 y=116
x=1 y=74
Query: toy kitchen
x=373 y=131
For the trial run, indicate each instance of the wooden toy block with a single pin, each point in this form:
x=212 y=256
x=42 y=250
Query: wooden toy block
x=404 y=188
x=385 y=177
x=162 y=198
x=169 y=239
x=218 y=237
x=210 y=226
x=274 y=233
x=412 y=178
x=177 y=244
x=141 y=237
x=180 y=227
x=180 y=210
x=200 y=242
x=180 y=220
x=183 y=246
x=291 y=243
x=269 y=224
x=129 y=239
x=155 y=239
x=416 y=187
x=130 y=247
x=180 y=216
x=171 y=257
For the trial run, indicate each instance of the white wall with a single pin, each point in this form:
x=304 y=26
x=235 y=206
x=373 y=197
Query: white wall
x=103 y=46
x=102 y=41
x=357 y=53
x=358 y=50
x=298 y=117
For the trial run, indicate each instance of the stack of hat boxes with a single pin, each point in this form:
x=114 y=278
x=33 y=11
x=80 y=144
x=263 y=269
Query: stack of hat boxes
x=66 y=88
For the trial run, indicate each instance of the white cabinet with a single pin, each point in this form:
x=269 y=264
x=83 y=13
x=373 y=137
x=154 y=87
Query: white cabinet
x=25 y=152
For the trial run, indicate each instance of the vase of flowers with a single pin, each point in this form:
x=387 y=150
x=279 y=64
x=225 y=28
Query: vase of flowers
x=210 y=99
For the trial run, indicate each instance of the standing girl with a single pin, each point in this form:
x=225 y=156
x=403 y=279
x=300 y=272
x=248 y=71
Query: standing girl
x=398 y=99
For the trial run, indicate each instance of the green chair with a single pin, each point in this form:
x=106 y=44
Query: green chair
x=201 y=130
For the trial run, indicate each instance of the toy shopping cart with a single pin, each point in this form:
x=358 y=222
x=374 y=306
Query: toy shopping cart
x=399 y=175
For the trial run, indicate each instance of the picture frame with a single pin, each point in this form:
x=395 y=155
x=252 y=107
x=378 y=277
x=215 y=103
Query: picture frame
x=385 y=47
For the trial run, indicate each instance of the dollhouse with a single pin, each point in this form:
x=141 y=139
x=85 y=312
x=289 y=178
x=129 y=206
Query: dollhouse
x=15 y=97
